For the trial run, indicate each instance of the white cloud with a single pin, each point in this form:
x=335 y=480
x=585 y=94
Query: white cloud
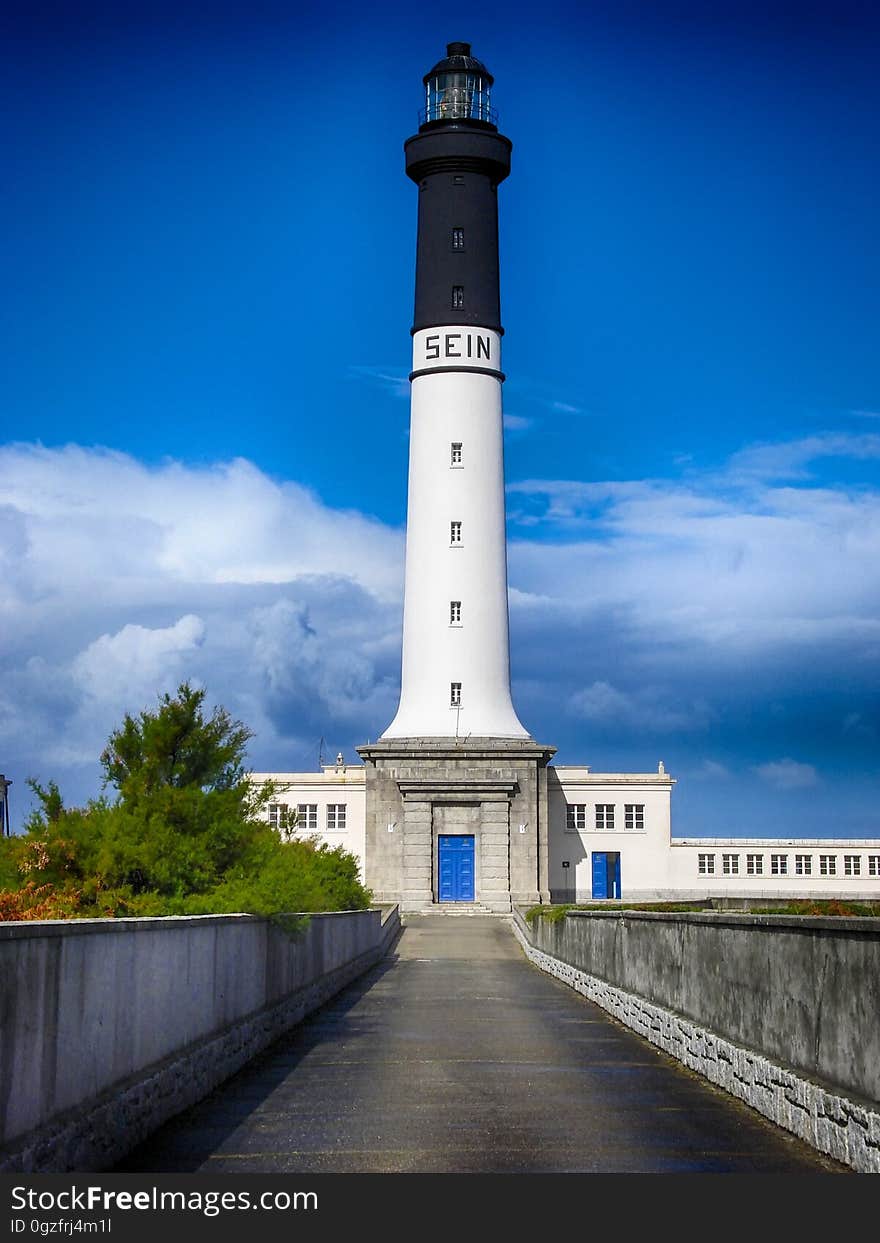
x=645 y=707
x=788 y=774
x=790 y=459
x=101 y=517
x=137 y=660
x=723 y=611
x=516 y=423
x=596 y=702
x=727 y=566
x=119 y=581
x=713 y=771
x=389 y=379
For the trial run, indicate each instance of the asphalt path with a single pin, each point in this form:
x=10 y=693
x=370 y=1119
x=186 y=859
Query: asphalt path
x=456 y=1055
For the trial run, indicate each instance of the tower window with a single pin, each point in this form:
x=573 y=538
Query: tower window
x=458 y=181
x=455 y=694
x=455 y=612
x=458 y=239
x=455 y=532
x=455 y=453
x=457 y=297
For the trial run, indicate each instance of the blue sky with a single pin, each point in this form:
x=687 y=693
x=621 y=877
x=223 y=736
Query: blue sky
x=208 y=256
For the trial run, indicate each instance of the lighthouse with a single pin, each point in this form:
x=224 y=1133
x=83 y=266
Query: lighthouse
x=456 y=788
x=455 y=677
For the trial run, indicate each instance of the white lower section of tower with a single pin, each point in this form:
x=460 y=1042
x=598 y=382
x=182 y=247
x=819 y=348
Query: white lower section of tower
x=456 y=664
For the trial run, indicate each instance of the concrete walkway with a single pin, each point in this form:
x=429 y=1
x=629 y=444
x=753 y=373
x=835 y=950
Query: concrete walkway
x=457 y=1055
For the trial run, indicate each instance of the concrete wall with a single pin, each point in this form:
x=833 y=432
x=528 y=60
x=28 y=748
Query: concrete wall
x=110 y=1027
x=780 y=1011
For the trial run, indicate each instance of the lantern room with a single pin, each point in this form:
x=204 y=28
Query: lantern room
x=458 y=88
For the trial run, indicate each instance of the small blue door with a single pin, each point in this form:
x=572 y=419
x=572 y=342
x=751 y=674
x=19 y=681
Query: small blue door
x=606 y=874
x=600 y=874
x=456 y=867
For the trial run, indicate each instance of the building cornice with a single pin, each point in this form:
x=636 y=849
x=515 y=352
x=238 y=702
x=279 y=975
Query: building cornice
x=462 y=790
x=418 y=749
x=774 y=843
x=616 y=779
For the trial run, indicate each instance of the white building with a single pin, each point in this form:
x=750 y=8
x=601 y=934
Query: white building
x=610 y=836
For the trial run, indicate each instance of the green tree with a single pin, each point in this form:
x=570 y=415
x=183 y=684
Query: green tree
x=177 y=747
x=184 y=833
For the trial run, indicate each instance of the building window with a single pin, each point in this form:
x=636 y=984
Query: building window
x=455 y=694
x=827 y=865
x=754 y=865
x=455 y=612
x=307 y=817
x=803 y=865
x=634 y=816
x=458 y=181
x=575 y=817
x=874 y=865
x=458 y=239
x=604 y=815
x=455 y=532
x=336 y=817
x=455 y=453
x=779 y=865
x=457 y=297
x=706 y=865
x=852 y=865
x=279 y=815
x=730 y=865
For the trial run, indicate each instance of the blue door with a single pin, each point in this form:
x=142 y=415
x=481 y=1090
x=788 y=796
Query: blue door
x=600 y=874
x=456 y=867
x=606 y=874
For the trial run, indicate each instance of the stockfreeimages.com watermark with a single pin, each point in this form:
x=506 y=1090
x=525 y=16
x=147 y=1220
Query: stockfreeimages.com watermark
x=97 y=1199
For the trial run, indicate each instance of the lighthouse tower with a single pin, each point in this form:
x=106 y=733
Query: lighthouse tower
x=456 y=788
x=456 y=670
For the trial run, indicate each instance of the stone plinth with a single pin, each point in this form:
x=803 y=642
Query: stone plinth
x=492 y=788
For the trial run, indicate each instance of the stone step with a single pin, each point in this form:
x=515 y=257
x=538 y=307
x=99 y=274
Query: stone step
x=458 y=908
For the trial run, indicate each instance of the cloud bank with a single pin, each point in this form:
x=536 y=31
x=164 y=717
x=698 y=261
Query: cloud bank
x=119 y=581
x=726 y=622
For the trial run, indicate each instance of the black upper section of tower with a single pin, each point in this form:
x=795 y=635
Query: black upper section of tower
x=457 y=159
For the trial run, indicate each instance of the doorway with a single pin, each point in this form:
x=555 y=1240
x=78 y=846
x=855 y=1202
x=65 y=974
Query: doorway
x=606 y=874
x=456 y=867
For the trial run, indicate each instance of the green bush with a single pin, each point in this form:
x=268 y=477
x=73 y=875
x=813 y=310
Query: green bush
x=184 y=835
